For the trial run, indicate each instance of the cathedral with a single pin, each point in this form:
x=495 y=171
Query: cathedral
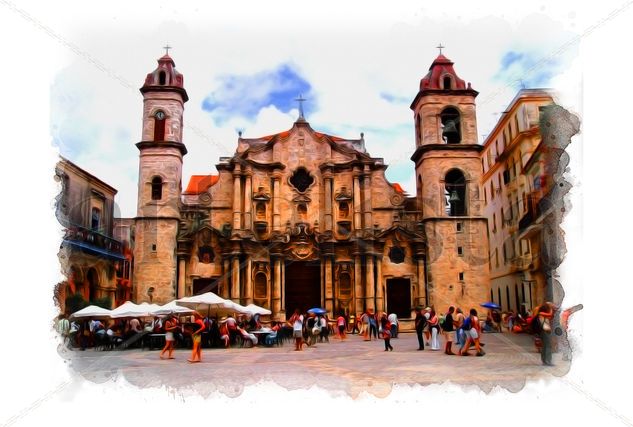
x=303 y=219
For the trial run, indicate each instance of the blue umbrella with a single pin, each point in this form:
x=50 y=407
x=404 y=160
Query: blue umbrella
x=491 y=305
x=317 y=310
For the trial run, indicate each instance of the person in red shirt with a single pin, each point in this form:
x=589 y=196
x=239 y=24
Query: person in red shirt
x=340 y=322
x=196 y=336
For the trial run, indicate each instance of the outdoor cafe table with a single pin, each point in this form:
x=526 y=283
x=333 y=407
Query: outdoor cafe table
x=261 y=335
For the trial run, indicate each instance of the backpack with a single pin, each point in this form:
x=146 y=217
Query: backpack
x=468 y=324
x=535 y=325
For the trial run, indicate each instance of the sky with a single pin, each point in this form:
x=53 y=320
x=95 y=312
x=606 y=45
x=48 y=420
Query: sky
x=243 y=74
x=71 y=73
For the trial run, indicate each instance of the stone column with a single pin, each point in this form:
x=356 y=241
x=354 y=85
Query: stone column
x=328 y=201
x=421 y=294
x=225 y=279
x=369 y=282
x=359 y=294
x=380 y=294
x=181 y=276
x=276 y=201
x=235 y=279
x=248 y=287
x=276 y=306
x=367 y=199
x=357 y=201
x=237 y=199
x=329 y=291
x=248 y=202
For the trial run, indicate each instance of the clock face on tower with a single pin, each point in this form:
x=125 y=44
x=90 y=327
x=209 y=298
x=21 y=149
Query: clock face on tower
x=160 y=115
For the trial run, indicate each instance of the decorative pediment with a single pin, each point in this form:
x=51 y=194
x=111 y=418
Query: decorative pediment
x=262 y=195
x=343 y=194
x=301 y=198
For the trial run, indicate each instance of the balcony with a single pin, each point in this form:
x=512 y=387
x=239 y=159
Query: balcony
x=93 y=242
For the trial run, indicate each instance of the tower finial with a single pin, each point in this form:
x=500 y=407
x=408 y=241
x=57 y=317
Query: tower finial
x=440 y=47
x=301 y=100
x=167 y=47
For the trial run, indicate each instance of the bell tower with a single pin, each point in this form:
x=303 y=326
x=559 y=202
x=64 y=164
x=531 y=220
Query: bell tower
x=448 y=175
x=159 y=183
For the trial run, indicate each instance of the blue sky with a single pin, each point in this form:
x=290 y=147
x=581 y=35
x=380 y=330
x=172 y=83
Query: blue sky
x=245 y=95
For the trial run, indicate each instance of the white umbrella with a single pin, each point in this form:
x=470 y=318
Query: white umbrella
x=238 y=308
x=172 y=308
x=255 y=309
x=204 y=302
x=149 y=309
x=90 y=311
x=128 y=309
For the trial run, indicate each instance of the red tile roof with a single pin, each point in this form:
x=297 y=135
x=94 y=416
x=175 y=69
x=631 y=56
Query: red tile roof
x=200 y=183
x=397 y=187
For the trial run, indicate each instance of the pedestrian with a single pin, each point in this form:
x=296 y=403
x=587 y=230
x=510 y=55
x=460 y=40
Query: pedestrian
x=196 y=337
x=448 y=330
x=63 y=329
x=340 y=323
x=427 y=331
x=373 y=325
x=434 y=330
x=364 y=329
x=296 y=320
x=170 y=326
x=545 y=315
x=472 y=332
x=459 y=331
x=393 y=321
x=325 y=329
x=420 y=323
x=386 y=332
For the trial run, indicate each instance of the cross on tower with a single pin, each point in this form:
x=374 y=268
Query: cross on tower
x=167 y=49
x=440 y=47
x=300 y=100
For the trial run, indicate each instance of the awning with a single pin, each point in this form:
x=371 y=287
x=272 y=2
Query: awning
x=94 y=250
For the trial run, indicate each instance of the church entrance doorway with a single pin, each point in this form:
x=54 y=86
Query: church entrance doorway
x=302 y=286
x=399 y=297
x=201 y=286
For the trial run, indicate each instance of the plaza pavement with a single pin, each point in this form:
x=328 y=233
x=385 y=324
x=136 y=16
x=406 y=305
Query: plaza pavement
x=348 y=367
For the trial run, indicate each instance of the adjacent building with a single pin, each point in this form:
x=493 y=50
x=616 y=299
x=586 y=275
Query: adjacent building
x=508 y=195
x=90 y=257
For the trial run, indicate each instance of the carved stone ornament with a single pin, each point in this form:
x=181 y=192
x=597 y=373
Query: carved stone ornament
x=261 y=194
x=343 y=194
x=397 y=199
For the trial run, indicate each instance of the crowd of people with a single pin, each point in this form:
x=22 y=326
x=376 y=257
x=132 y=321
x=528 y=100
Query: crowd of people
x=459 y=331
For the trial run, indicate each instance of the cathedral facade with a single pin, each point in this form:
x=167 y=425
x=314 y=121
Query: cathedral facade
x=301 y=219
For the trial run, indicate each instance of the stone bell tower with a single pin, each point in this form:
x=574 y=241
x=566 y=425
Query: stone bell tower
x=448 y=175
x=159 y=184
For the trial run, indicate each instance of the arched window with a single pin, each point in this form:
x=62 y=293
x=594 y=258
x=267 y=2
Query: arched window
x=261 y=288
x=260 y=211
x=302 y=212
x=159 y=126
x=162 y=78
x=301 y=179
x=93 y=283
x=447 y=82
x=157 y=188
x=95 y=219
x=451 y=127
x=345 y=285
x=343 y=210
x=455 y=193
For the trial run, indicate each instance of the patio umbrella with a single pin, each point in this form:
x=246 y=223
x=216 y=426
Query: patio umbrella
x=172 y=308
x=128 y=309
x=92 y=311
x=204 y=302
x=491 y=305
x=148 y=309
x=317 y=310
x=255 y=309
